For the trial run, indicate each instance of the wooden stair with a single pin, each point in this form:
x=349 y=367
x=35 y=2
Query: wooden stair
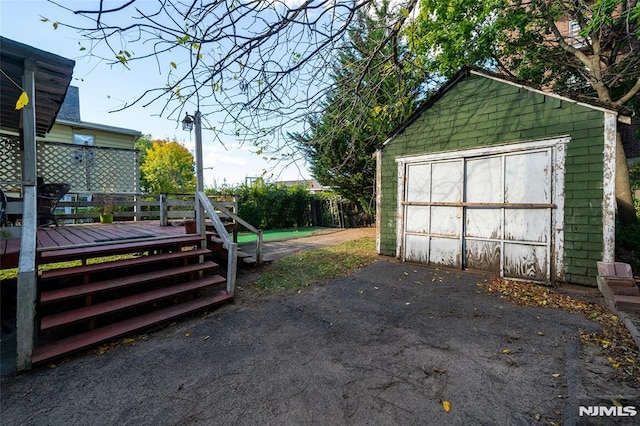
x=216 y=245
x=219 y=253
x=85 y=305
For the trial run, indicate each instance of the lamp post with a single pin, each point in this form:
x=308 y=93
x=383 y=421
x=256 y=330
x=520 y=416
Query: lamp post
x=188 y=123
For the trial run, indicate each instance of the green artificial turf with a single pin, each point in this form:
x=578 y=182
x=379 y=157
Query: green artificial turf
x=279 y=234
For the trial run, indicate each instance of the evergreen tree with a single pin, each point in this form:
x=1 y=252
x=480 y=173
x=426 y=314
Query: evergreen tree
x=376 y=88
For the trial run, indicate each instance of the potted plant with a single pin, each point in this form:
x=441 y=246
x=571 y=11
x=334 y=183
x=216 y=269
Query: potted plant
x=106 y=210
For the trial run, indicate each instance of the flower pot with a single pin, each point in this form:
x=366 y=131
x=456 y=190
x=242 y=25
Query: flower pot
x=106 y=217
x=190 y=227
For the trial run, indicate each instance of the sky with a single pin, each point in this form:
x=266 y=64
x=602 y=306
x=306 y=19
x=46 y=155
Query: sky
x=104 y=89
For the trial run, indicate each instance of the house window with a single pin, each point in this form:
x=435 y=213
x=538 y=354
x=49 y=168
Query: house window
x=83 y=156
x=83 y=139
x=573 y=35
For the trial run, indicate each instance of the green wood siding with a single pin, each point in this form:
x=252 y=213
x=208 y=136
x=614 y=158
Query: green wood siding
x=478 y=111
x=64 y=133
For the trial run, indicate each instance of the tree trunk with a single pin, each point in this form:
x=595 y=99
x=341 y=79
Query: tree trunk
x=626 y=211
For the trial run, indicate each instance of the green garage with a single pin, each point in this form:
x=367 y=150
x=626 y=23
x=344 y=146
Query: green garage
x=491 y=174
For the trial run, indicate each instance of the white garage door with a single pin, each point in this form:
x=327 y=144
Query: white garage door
x=492 y=212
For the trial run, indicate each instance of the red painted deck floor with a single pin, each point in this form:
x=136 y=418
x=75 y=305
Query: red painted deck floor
x=86 y=234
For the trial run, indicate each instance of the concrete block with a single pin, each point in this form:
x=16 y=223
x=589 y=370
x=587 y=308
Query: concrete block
x=621 y=282
x=625 y=290
x=614 y=269
x=604 y=287
x=627 y=303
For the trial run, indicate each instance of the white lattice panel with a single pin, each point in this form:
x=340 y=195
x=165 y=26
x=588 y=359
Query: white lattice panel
x=85 y=168
x=10 y=168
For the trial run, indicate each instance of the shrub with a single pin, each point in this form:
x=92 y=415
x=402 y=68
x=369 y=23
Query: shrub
x=272 y=206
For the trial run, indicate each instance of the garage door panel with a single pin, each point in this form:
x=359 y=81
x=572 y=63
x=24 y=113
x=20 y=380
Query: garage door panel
x=489 y=211
x=446 y=178
x=483 y=183
x=527 y=178
x=445 y=252
x=419 y=182
x=525 y=261
x=445 y=221
x=482 y=255
x=417 y=248
x=532 y=225
x=418 y=218
x=483 y=223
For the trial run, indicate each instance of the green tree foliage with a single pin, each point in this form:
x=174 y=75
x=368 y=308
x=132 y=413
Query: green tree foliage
x=142 y=144
x=588 y=47
x=376 y=88
x=168 y=167
x=531 y=39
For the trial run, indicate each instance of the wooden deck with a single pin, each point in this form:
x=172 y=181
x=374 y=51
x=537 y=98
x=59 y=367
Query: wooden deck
x=85 y=235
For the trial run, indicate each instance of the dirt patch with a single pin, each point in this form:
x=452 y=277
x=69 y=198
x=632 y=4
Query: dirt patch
x=386 y=345
x=274 y=250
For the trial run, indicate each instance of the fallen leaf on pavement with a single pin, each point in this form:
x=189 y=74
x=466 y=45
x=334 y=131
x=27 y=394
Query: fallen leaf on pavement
x=614 y=339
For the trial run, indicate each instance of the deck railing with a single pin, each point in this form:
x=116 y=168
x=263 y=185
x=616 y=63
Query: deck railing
x=82 y=207
x=227 y=242
x=167 y=208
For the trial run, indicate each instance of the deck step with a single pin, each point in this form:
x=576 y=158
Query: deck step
x=93 y=311
x=90 y=338
x=120 y=264
x=116 y=283
x=50 y=256
x=217 y=242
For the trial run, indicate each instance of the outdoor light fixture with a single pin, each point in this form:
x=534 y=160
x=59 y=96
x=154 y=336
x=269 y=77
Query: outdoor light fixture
x=194 y=122
x=187 y=122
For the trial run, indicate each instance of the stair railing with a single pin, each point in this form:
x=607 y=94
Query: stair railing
x=247 y=225
x=227 y=241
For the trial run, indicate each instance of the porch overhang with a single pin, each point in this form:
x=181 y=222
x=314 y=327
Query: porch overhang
x=45 y=78
x=52 y=77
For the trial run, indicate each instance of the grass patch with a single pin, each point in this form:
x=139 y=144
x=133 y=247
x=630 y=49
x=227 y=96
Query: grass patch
x=279 y=234
x=8 y=274
x=317 y=265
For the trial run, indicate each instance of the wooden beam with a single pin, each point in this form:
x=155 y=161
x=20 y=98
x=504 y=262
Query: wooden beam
x=27 y=284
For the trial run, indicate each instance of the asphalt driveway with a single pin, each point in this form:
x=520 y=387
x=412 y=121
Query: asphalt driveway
x=384 y=346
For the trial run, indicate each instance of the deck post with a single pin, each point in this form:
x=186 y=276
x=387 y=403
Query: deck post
x=259 y=247
x=200 y=216
x=137 y=207
x=232 y=266
x=27 y=282
x=27 y=279
x=163 y=210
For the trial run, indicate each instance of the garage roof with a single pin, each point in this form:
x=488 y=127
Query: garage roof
x=52 y=77
x=624 y=113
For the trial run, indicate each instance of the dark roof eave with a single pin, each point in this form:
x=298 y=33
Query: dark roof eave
x=96 y=126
